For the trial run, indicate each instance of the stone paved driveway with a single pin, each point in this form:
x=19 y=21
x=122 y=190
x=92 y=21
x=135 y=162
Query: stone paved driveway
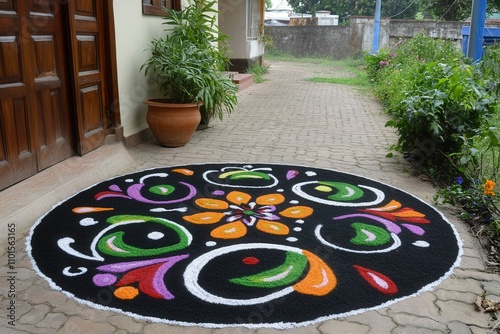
x=283 y=120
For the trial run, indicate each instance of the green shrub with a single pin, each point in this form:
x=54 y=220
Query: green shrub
x=433 y=97
x=446 y=102
x=490 y=69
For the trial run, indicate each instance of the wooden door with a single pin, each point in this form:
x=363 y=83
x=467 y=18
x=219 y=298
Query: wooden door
x=87 y=39
x=35 y=122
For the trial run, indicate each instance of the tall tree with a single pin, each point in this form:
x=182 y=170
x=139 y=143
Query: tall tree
x=346 y=8
x=454 y=10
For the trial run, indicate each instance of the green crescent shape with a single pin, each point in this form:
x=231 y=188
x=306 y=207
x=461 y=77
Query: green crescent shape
x=113 y=244
x=346 y=191
x=370 y=235
x=242 y=174
x=162 y=189
x=290 y=271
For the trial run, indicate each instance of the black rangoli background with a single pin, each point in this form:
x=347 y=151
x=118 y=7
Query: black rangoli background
x=411 y=268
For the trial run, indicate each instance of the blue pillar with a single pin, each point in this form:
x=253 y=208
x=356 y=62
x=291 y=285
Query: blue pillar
x=376 y=28
x=478 y=17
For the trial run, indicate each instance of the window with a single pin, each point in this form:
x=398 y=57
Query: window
x=155 y=7
x=253 y=19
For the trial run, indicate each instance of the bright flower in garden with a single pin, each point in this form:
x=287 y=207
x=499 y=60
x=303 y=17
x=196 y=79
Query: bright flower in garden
x=240 y=212
x=489 y=187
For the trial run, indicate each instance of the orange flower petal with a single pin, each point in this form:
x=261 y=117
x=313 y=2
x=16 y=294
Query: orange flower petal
x=126 y=292
x=88 y=209
x=238 y=197
x=204 y=218
x=271 y=199
x=272 y=227
x=184 y=171
x=212 y=204
x=297 y=212
x=232 y=230
x=408 y=212
x=319 y=281
x=392 y=205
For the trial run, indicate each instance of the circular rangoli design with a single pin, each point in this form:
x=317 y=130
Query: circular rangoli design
x=242 y=245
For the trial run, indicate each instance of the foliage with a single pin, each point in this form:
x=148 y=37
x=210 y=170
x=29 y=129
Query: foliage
x=258 y=72
x=187 y=63
x=478 y=161
x=446 y=114
x=448 y=10
x=347 y=8
x=433 y=96
x=490 y=69
x=476 y=201
x=445 y=102
x=353 y=66
x=454 y=10
x=474 y=190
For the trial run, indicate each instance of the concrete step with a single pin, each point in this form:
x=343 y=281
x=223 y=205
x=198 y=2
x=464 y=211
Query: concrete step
x=243 y=80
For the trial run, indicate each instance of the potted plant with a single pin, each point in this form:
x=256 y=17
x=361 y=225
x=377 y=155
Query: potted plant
x=188 y=65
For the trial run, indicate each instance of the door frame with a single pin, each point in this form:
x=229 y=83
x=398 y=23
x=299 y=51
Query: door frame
x=112 y=71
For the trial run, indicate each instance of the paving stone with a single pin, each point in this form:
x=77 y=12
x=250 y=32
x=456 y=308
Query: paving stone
x=475 y=263
x=462 y=312
x=422 y=305
x=23 y=274
x=341 y=326
x=236 y=330
x=377 y=322
x=415 y=330
x=126 y=323
x=93 y=314
x=492 y=289
x=480 y=276
x=121 y=331
x=77 y=325
x=471 y=252
x=462 y=285
x=12 y=330
x=169 y=329
x=478 y=330
x=420 y=322
x=39 y=294
x=52 y=321
x=458 y=328
x=465 y=297
x=36 y=314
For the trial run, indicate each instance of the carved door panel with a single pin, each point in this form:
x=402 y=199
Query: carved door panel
x=52 y=107
x=88 y=57
x=35 y=124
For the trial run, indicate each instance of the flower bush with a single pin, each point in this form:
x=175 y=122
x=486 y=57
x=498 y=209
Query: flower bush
x=445 y=111
x=433 y=96
x=477 y=200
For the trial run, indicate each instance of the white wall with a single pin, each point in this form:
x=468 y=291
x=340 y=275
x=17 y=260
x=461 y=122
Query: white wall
x=232 y=22
x=133 y=33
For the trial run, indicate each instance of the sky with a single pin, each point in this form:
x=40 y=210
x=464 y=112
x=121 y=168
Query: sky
x=280 y=3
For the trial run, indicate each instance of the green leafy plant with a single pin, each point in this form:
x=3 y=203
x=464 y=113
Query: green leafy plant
x=258 y=72
x=446 y=102
x=490 y=68
x=188 y=62
x=445 y=112
x=432 y=95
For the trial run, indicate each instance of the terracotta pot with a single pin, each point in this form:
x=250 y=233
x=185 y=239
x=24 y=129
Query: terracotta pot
x=172 y=124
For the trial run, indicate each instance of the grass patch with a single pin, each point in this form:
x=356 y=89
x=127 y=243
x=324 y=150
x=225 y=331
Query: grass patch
x=350 y=65
x=283 y=56
x=258 y=72
x=360 y=80
x=354 y=65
